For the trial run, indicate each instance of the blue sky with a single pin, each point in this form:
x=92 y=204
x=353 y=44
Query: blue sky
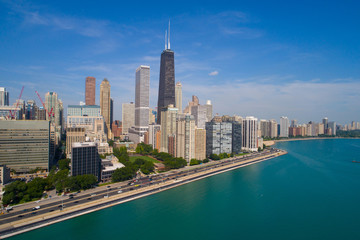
x=262 y=58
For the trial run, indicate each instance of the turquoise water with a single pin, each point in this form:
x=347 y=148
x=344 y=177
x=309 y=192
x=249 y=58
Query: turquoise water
x=310 y=193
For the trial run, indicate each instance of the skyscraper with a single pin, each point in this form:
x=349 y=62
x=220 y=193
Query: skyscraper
x=4 y=97
x=111 y=112
x=284 y=127
x=185 y=137
x=166 y=78
x=168 y=127
x=90 y=86
x=249 y=127
x=128 y=116
x=142 y=91
x=178 y=96
x=105 y=103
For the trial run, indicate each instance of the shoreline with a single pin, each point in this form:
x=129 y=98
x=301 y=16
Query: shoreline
x=47 y=219
x=273 y=142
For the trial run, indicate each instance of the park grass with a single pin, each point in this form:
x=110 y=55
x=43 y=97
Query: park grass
x=132 y=158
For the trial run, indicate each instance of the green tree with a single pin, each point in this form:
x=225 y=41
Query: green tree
x=194 y=162
x=214 y=156
x=206 y=160
x=64 y=164
x=124 y=173
x=147 y=168
x=143 y=149
x=35 y=188
x=122 y=154
x=14 y=192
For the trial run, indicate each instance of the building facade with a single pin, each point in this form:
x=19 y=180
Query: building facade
x=84 y=110
x=218 y=137
x=166 y=82
x=73 y=135
x=4 y=97
x=24 y=145
x=249 y=133
x=168 y=127
x=85 y=159
x=90 y=89
x=178 y=96
x=142 y=91
x=185 y=137
x=105 y=104
x=128 y=116
x=284 y=127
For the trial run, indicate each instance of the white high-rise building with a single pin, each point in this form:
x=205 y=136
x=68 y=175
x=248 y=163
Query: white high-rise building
x=142 y=91
x=128 y=116
x=249 y=128
x=168 y=128
x=185 y=137
x=284 y=126
x=178 y=96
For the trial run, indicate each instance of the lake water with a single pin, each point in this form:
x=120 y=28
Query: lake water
x=311 y=193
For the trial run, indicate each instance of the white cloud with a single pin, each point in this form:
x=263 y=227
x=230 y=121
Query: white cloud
x=214 y=73
x=305 y=101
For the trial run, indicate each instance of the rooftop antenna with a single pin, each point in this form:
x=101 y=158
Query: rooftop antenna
x=165 y=39
x=169 y=36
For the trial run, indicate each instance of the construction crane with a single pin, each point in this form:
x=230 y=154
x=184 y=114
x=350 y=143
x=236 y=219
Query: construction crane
x=50 y=114
x=12 y=114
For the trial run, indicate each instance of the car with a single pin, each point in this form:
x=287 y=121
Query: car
x=131 y=183
x=93 y=194
x=89 y=198
x=34 y=213
x=106 y=196
x=36 y=208
x=120 y=191
x=37 y=201
x=25 y=210
x=71 y=197
x=137 y=185
x=9 y=208
x=20 y=216
x=76 y=202
x=51 y=210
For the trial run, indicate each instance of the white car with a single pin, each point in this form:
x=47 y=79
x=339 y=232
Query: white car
x=120 y=191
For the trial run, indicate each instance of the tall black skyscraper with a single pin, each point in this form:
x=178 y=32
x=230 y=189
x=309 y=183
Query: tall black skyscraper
x=167 y=78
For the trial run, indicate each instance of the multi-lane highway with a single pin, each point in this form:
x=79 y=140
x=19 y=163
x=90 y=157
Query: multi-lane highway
x=173 y=178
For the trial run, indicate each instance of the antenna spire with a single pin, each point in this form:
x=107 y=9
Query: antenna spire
x=165 y=40
x=169 y=36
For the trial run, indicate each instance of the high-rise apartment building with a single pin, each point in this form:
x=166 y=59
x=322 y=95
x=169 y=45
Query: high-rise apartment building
x=178 y=96
x=4 y=97
x=209 y=110
x=284 y=127
x=105 y=104
x=73 y=135
x=200 y=114
x=166 y=79
x=249 y=142
x=24 y=145
x=168 y=127
x=85 y=159
x=142 y=91
x=200 y=144
x=152 y=134
x=90 y=86
x=332 y=126
x=128 y=116
x=218 y=137
x=185 y=137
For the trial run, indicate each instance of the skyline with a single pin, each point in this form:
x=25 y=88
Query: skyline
x=248 y=60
